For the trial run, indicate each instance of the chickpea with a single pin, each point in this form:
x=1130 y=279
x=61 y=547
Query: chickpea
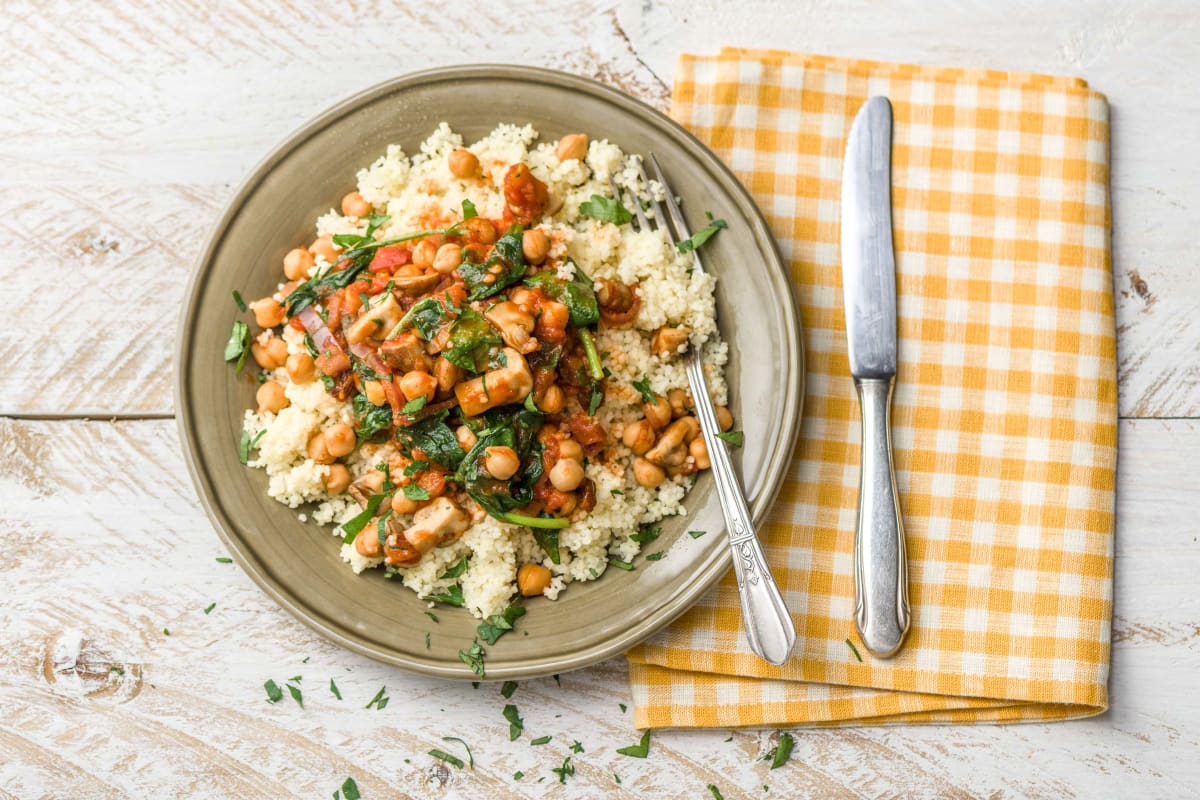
x=569 y=502
x=424 y=253
x=270 y=355
x=573 y=145
x=374 y=392
x=447 y=374
x=667 y=341
x=501 y=462
x=324 y=248
x=270 y=397
x=301 y=368
x=658 y=413
x=724 y=418
x=402 y=505
x=638 y=436
x=569 y=448
x=297 y=263
x=466 y=437
x=367 y=542
x=418 y=384
x=566 y=474
x=354 y=205
x=338 y=479
x=447 y=259
x=553 y=400
x=532 y=579
x=535 y=244
x=481 y=230
x=699 y=453
x=267 y=312
x=680 y=402
x=463 y=163
x=339 y=440
x=318 y=451
x=648 y=474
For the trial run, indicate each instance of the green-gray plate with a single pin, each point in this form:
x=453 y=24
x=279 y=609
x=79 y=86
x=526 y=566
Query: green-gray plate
x=298 y=564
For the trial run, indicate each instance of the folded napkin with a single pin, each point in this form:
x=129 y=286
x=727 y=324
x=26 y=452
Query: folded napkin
x=1004 y=413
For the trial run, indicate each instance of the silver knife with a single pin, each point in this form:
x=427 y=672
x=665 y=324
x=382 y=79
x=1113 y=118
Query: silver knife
x=869 y=284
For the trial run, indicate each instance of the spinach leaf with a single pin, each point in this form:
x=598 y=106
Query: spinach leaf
x=433 y=437
x=506 y=253
x=548 y=541
x=427 y=317
x=371 y=421
x=472 y=339
x=353 y=526
x=518 y=431
x=605 y=209
x=576 y=294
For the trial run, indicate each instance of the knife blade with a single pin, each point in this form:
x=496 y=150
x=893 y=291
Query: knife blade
x=869 y=291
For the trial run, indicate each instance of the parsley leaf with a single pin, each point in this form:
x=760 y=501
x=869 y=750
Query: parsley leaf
x=274 y=693
x=540 y=741
x=474 y=658
x=380 y=700
x=735 y=438
x=211 y=606
x=646 y=535
x=696 y=534
x=639 y=750
x=444 y=756
x=414 y=492
x=237 y=298
x=350 y=790
x=506 y=691
x=716 y=793
x=619 y=564
x=567 y=769
x=643 y=387
x=782 y=751
x=334 y=689
x=247 y=444
x=605 y=209
x=469 y=210
x=238 y=345
x=854 y=650
x=296 y=694
x=470 y=758
x=224 y=560
x=452 y=596
x=352 y=527
x=456 y=570
x=497 y=625
x=703 y=235
x=518 y=775
x=415 y=405
x=576 y=746
x=426 y=316
x=656 y=556
x=432 y=616
x=516 y=725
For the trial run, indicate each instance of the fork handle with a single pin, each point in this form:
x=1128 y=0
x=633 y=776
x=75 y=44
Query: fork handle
x=769 y=628
x=880 y=563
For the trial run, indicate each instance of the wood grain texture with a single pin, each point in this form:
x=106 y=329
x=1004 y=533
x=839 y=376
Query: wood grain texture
x=100 y=702
x=124 y=127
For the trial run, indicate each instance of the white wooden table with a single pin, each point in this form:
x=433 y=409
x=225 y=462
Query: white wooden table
x=124 y=127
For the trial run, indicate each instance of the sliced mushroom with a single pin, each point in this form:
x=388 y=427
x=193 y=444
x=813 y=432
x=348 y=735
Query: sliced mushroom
x=413 y=285
x=437 y=524
x=365 y=487
x=405 y=353
x=514 y=325
x=375 y=321
x=508 y=384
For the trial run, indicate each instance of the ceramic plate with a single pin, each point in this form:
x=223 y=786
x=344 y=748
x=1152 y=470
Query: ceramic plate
x=298 y=564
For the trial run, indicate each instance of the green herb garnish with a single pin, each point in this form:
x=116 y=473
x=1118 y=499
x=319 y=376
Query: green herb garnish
x=734 y=438
x=643 y=387
x=576 y=746
x=356 y=524
x=696 y=534
x=470 y=758
x=516 y=725
x=506 y=254
x=656 y=556
x=716 y=793
x=211 y=606
x=474 y=658
x=703 y=235
x=237 y=298
x=567 y=769
x=274 y=693
x=224 y=560
x=782 y=751
x=497 y=625
x=456 y=570
x=334 y=689
x=238 y=346
x=469 y=210
x=639 y=750
x=646 y=535
x=247 y=444
x=427 y=317
x=854 y=649
x=349 y=790
x=605 y=209
x=414 y=405
x=619 y=564
x=432 y=616
x=380 y=700
x=414 y=492
x=444 y=756
x=451 y=597
x=518 y=775
x=540 y=741
x=507 y=689
x=296 y=694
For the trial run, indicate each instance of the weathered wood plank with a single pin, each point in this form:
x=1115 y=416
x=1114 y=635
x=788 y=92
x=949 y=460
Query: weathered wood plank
x=185 y=715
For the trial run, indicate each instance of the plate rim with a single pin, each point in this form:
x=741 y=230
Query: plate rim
x=774 y=468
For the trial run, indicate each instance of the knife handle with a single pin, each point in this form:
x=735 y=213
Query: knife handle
x=880 y=563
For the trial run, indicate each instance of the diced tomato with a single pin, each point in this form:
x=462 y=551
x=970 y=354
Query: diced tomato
x=379 y=283
x=524 y=195
x=296 y=323
x=432 y=481
x=387 y=259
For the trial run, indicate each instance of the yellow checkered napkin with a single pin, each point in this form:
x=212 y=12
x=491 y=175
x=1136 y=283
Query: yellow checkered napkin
x=1005 y=406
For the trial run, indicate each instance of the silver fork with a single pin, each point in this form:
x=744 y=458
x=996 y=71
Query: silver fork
x=769 y=627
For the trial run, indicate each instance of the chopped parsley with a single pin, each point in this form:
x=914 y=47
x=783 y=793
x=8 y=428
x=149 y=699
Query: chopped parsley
x=426 y=640
x=296 y=694
x=565 y=771
x=470 y=758
x=414 y=492
x=576 y=746
x=274 y=693
x=540 y=741
x=224 y=560
x=853 y=649
x=238 y=346
x=639 y=750
x=469 y=210
x=518 y=775
x=646 y=535
x=432 y=616
x=166 y=631
x=380 y=700
x=619 y=564
x=352 y=528
x=779 y=755
x=334 y=689
x=237 y=298
x=716 y=793
x=516 y=725
x=444 y=756
x=696 y=534
x=349 y=790
x=415 y=405
x=452 y=597
x=247 y=444
x=643 y=387
x=734 y=438
x=507 y=690
x=211 y=606
x=415 y=467
x=497 y=625
x=473 y=657
x=622 y=707
x=703 y=235
x=605 y=209
x=656 y=556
